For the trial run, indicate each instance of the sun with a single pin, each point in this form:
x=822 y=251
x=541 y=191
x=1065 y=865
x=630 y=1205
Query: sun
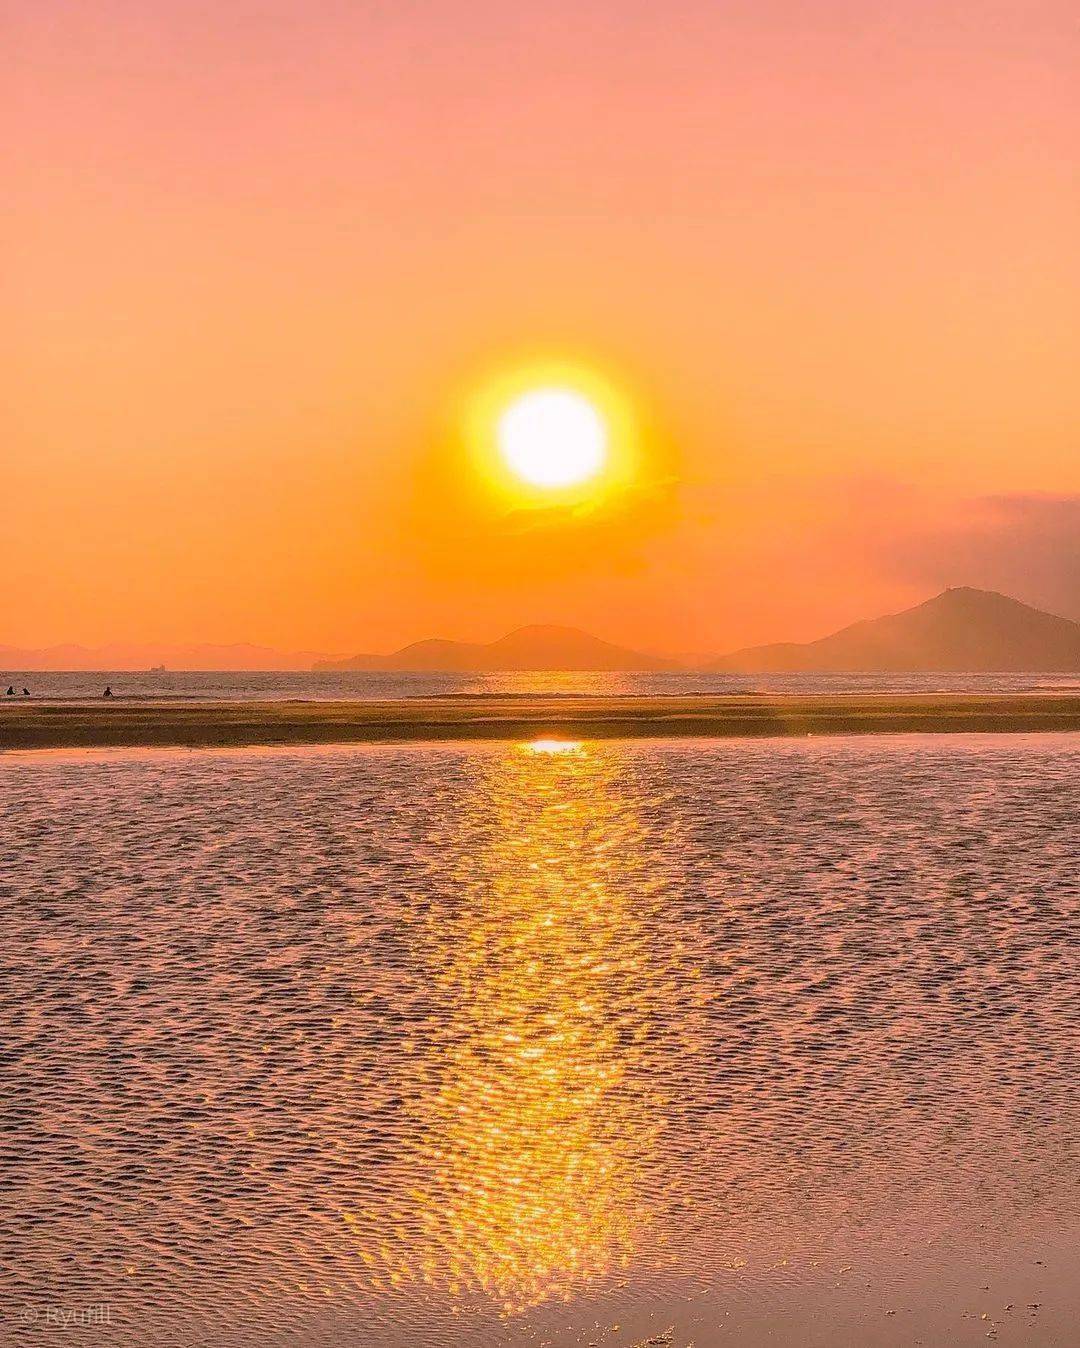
x=552 y=438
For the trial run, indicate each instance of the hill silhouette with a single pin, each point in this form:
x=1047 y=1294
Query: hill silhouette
x=961 y=629
x=537 y=648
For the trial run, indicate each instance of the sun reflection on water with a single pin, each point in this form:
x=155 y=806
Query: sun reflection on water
x=534 y=1114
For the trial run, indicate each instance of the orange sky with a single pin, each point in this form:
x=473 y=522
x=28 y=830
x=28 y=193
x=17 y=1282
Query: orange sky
x=260 y=254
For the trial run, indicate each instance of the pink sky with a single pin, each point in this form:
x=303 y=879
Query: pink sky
x=256 y=251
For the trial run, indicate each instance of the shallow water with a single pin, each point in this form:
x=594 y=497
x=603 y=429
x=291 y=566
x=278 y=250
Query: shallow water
x=713 y=1042
x=82 y=686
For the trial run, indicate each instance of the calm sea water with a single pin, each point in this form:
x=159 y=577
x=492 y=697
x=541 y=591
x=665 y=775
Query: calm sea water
x=666 y=1043
x=83 y=685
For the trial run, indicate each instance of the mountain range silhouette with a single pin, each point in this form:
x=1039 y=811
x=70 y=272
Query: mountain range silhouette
x=961 y=629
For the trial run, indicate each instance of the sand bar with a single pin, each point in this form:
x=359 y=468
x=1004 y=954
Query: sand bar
x=43 y=725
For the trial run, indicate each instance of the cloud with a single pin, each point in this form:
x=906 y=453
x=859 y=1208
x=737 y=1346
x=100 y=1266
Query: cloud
x=1026 y=546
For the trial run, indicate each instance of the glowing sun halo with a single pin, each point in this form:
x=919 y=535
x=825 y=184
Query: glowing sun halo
x=552 y=437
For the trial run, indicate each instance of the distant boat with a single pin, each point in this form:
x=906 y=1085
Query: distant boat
x=157 y=669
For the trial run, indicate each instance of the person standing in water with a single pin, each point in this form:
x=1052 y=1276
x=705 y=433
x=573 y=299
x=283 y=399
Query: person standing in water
x=11 y=690
x=108 y=691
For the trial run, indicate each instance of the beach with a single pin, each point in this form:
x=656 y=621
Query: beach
x=768 y=1042
x=540 y=676
x=221 y=724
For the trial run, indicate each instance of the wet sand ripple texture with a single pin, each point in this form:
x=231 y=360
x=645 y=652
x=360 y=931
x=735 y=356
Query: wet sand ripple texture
x=765 y=1042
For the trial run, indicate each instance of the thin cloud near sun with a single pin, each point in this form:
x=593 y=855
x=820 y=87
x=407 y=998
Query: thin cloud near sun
x=545 y=468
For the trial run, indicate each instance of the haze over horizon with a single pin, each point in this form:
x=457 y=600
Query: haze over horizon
x=961 y=628
x=824 y=255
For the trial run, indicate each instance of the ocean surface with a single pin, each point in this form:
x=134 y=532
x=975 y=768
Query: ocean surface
x=656 y=1043
x=79 y=686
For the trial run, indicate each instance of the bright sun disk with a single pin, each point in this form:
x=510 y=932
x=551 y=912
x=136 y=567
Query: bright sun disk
x=552 y=437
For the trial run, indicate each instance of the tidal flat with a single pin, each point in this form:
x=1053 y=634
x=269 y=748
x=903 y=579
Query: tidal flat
x=197 y=723
x=674 y=1042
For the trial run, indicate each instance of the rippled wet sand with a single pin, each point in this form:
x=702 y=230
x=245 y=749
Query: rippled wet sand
x=741 y=1042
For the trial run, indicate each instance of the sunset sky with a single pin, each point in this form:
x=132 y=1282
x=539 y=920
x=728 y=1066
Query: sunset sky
x=265 y=260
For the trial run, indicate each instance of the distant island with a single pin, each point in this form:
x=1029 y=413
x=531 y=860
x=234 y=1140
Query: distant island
x=962 y=630
x=537 y=648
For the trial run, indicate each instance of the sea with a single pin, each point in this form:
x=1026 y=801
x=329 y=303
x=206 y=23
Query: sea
x=331 y=686
x=672 y=1044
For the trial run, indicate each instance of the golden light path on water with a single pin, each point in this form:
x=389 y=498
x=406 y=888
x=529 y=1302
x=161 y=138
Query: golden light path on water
x=529 y=1138
x=511 y=1045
